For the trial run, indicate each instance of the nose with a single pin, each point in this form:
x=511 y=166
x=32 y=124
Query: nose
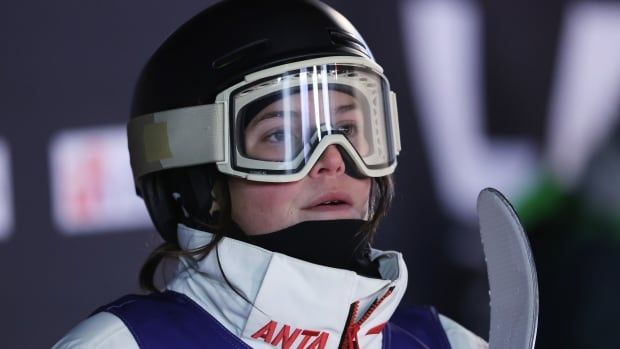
x=329 y=164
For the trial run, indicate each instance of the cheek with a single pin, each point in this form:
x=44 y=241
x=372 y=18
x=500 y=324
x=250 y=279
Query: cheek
x=362 y=188
x=260 y=208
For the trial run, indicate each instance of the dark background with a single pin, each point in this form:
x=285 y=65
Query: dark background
x=72 y=65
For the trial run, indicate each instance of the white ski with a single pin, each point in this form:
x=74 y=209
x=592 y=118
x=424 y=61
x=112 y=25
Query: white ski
x=512 y=274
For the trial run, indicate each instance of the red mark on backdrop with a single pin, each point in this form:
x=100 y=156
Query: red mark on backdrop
x=84 y=184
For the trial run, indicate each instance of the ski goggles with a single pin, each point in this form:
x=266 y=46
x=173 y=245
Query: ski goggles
x=274 y=125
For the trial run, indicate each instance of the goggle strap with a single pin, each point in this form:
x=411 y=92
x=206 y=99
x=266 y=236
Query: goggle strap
x=178 y=137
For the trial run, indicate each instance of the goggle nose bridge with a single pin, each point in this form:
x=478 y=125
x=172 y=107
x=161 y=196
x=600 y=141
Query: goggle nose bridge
x=325 y=130
x=350 y=165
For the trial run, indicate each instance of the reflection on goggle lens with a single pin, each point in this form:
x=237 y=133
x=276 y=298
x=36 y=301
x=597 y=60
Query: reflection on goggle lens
x=294 y=122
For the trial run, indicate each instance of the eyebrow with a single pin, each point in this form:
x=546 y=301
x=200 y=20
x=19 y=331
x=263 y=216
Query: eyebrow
x=278 y=113
x=272 y=114
x=345 y=108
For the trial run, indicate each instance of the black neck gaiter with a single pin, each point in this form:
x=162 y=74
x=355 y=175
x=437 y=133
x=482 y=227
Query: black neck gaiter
x=336 y=243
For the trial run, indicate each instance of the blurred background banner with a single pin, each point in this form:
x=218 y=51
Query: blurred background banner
x=444 y=42
x=520 y=95
x=92 y=186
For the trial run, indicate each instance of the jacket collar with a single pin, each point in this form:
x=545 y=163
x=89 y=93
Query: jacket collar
x=271 y=300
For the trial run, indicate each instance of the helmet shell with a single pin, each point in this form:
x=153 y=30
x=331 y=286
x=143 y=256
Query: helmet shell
x=219 y=46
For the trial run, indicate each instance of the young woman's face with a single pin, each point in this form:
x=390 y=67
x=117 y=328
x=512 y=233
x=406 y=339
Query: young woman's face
x=326 y=193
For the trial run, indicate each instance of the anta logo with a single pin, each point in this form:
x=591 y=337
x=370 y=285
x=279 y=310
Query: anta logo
x=286 y=336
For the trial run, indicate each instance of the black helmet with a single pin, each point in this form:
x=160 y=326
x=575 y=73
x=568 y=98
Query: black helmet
x=220 y=45
x=211 y=52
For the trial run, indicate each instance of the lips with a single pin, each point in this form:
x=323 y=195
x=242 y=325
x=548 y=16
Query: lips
x=331 y=200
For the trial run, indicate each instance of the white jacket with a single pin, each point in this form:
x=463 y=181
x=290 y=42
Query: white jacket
x=279 y=288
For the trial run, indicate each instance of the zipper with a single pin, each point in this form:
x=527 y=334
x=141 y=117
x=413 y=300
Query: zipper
x=349 y=339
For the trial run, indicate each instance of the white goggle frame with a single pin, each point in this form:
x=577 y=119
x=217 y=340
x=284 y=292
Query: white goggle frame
x=201 y=134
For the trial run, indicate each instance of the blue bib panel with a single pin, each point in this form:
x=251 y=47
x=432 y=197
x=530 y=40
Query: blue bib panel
x=171 y=320
x=415 y=327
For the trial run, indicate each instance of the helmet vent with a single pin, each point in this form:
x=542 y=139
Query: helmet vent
x=239 y=53
x=348 y=40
